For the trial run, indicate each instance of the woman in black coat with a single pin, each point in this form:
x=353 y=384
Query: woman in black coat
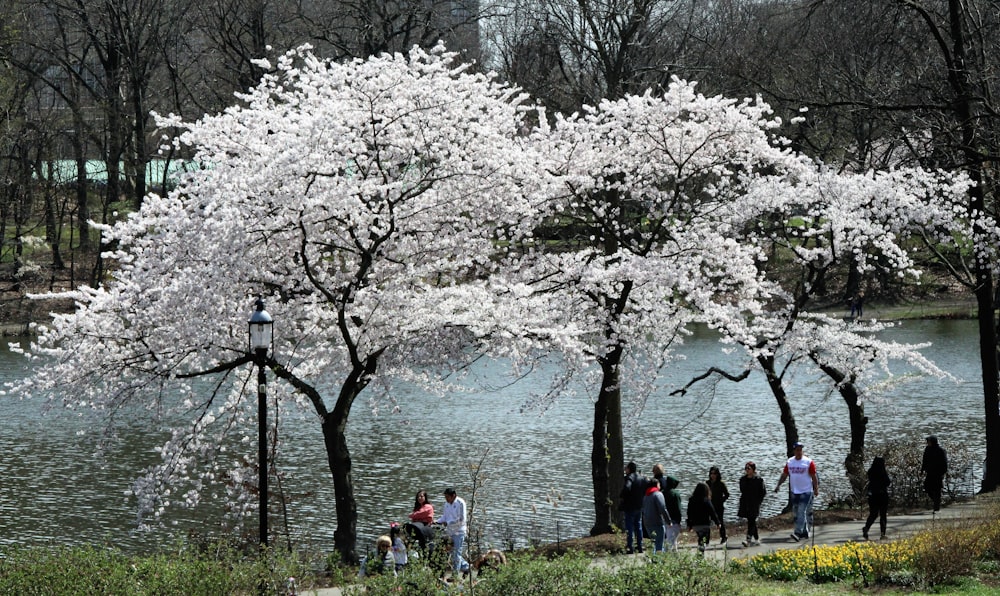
x=701 y=514
x=752 y=493
x=878 y=495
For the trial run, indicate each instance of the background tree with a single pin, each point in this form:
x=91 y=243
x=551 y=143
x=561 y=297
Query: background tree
x=577 y=52
x=870 y=220
x=889 y=83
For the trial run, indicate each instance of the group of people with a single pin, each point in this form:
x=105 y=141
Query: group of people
x=391 y=549
x=934 y=465
x=654 y=504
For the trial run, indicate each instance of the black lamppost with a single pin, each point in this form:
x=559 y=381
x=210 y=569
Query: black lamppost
x=261 y=340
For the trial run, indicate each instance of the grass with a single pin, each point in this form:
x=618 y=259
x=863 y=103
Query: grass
x=961 y=556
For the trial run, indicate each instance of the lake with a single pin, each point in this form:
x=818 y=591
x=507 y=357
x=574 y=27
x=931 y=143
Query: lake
x=534 y=467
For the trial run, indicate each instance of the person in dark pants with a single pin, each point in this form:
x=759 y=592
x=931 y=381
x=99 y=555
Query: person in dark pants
x=878 y=496
x=858 y=304
x=752 y=493
x=935 y=466
x=719 y=495
x=701 y=515
x=631 y=505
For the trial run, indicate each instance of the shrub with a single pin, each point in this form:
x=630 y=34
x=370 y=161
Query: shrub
x=571 y=574
x=943 y=556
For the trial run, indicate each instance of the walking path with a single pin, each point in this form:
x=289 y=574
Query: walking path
x=899 y=526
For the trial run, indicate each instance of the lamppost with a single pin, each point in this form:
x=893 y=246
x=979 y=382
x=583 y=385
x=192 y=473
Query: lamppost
x=261 y=340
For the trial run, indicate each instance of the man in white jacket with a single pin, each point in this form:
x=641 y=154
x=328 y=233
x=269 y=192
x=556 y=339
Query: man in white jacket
x=453 y=516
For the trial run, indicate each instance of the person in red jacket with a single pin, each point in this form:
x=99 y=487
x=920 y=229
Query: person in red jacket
x=421 y=518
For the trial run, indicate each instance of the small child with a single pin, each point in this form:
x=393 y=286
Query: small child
x=398 y=547
x=381 y=562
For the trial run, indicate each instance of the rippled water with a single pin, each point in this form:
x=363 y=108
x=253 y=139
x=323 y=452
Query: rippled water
x=535 y=470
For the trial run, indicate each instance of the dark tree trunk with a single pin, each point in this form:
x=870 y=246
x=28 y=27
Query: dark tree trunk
x=854 y=462
x=82 y=209
x=607 y=453
x=967 y=111
x=52 y=226
x=616 y=439
x=988 y=349
x=345 y=537
x=778 y=390
x=599 y=467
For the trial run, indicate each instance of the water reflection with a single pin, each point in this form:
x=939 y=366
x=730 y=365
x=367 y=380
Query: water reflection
x=535 y=472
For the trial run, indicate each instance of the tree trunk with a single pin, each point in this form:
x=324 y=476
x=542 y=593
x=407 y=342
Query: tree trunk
x=778 y=390
x=599 y=460
x=988 y=349
x=854 y=462
x=967 y=112
x=611 y=368
x=345 y=537
x=82 y=209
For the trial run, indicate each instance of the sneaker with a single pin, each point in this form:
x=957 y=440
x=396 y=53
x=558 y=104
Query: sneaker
x=795 y=537
x=756 y=542
x=746 y=543
x=864 y=534
x=882 y=537
x=722 y=542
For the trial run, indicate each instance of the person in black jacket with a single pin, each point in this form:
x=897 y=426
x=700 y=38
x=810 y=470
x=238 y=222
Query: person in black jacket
x=701 y=515
x=878 y=495
x=935 y=465
x=719 y=496
x=752 y=493
x=631 y=505
x=672 y=496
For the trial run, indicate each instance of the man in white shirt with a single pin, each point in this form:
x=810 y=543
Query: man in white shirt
x=804 y=483
x=453 y=516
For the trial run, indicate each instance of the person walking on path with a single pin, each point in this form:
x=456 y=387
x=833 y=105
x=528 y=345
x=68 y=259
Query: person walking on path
x=454 y=517
x=800 y=471
x=631 y=496
x=752 y=493
x=935 y=466
x=878 y=496
x=701 y=515
x=719 y=495
x=672 y=496
x=654 y=515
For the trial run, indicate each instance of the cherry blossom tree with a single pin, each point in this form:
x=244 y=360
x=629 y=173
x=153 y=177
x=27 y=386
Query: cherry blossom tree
x=360 y=200
x=821 y=221
x=641 y=207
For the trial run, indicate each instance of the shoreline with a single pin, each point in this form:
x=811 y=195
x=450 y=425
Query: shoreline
x=15 y=329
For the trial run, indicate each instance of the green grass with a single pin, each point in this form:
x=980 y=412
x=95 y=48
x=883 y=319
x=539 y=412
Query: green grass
x=184 y=571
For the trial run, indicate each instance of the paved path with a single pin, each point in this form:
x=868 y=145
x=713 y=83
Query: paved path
x=900 y=526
